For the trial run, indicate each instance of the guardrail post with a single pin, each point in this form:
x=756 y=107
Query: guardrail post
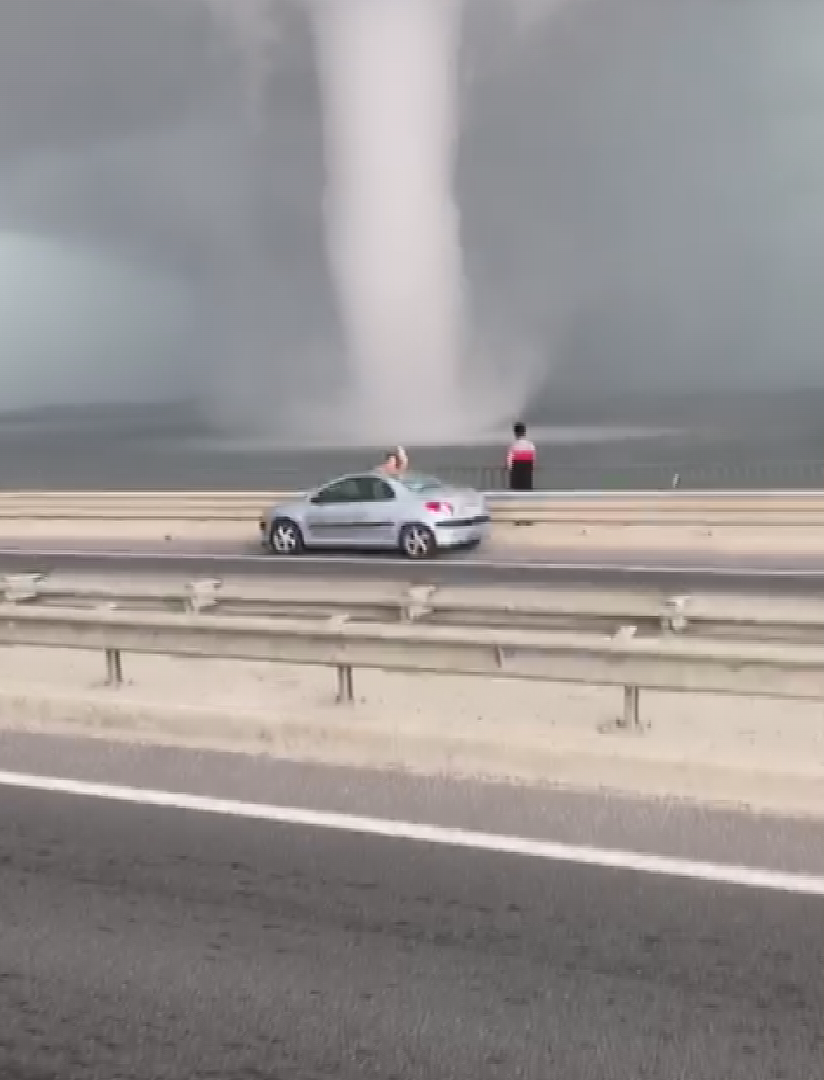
x=201 y=595
x=673 y=619
x=631 y=720
x=114 y=667
x=417 y=603
x=114 y=661
x=346 y=681
x=17 y=588
x=346 y=684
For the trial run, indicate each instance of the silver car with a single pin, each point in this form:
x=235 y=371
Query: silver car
x=417 y=515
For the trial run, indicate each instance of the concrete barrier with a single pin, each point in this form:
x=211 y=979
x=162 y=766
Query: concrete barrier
x=774 y=509
x=674 y=664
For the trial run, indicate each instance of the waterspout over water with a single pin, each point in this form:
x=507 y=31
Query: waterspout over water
x=388 y=75
x=389 y=88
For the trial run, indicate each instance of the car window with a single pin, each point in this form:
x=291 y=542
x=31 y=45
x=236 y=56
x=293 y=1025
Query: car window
x=340 y=491
x=374 y=489
x=356 y=489
x=419 y=484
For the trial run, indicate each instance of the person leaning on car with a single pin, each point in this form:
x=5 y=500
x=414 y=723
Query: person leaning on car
x=396 y=462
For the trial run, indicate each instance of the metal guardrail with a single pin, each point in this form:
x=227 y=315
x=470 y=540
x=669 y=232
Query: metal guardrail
x=646 y=612
x=673 y=664
x=560 y=468
x=604 y=471
x=611 y=474
x=733 y=508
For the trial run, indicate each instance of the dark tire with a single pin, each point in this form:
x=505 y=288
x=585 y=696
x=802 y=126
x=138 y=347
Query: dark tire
x=417 y=541
x=285 y=537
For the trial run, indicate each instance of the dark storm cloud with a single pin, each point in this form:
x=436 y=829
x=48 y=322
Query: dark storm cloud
x=640 y=183
x=644 y=182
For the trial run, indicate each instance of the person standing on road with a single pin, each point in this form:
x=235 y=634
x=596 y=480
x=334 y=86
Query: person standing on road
x=520 y=460
x=520 y=463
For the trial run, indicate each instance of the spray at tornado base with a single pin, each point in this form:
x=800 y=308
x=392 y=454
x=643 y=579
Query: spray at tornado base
x=389 y=85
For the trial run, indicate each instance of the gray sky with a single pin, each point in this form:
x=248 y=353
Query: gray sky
x=640 y=183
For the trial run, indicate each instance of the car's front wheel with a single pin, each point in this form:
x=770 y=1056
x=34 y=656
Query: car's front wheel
x=417 y=542
x=285 y=537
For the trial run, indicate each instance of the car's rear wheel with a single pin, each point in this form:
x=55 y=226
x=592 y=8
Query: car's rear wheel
x=285 y=537
x=417 y=542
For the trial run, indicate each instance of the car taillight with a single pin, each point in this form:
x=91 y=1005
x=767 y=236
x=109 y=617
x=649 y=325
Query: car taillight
x=440 y=507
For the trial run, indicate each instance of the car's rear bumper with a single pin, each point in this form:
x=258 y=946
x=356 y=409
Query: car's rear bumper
x=451 y=534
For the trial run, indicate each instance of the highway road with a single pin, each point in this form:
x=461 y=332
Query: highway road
x=487 y=566
x=151 y=943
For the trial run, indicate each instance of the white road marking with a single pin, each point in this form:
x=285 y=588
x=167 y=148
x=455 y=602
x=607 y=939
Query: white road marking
x=710 y=570
x=744 y=876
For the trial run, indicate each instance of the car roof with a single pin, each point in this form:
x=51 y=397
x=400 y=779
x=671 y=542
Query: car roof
x=355 y=476
x=380 y=474
x=349 y=476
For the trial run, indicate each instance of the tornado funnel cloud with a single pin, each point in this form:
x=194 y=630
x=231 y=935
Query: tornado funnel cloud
x=388 y=76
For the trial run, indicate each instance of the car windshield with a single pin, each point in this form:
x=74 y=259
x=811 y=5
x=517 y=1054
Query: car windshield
x=417 y=483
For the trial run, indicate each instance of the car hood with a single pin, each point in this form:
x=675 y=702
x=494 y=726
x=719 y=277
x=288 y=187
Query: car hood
x=286 y=506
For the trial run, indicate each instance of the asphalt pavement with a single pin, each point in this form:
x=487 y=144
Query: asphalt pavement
x=489 y=565
x=142 y=943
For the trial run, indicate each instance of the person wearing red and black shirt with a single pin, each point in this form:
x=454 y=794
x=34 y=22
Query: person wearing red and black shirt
x=520 y=460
